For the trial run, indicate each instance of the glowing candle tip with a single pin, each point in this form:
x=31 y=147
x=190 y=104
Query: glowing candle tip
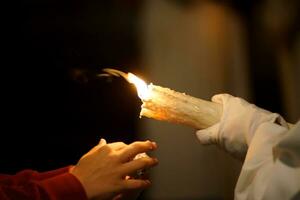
x=141 y=86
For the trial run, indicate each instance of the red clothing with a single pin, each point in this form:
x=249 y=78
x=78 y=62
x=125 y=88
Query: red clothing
x=53 y=185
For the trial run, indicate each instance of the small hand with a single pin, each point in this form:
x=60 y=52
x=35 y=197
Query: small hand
x=103 y=170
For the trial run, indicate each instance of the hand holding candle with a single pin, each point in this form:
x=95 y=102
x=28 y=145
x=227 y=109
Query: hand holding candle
x=168 y=105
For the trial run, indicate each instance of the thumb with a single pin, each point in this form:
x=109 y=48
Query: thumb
x=208 y=136
x=204 y=137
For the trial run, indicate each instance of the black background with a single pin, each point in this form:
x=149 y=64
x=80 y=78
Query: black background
x=54 y=107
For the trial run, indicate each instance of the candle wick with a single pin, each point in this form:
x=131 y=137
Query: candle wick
x=114 y=72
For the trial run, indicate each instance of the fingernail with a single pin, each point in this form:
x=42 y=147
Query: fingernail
x=148 y=182
x=154 y=145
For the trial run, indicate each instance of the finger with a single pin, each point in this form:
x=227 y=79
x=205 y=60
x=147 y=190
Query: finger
x=135 y=148
x=139 y=164
x=134 y=184
x=117 y=145
x=102 y=142
x=118 y=197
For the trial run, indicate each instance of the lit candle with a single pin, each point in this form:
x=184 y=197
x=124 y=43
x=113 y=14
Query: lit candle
x=162 y=103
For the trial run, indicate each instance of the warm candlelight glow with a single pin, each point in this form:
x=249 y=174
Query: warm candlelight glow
x=164 y=104
x=141 y=86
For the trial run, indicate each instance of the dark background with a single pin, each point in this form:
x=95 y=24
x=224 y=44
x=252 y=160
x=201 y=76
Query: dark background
x=54 y=107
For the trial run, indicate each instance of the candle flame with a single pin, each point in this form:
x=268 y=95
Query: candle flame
x=141 y=86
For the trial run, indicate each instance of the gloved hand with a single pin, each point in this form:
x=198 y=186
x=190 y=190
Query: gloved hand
x=237 y=125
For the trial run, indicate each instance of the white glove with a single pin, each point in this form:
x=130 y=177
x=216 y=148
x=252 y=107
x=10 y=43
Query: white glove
x=237 y=125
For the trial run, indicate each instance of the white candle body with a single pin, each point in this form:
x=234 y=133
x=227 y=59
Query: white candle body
x=168 y=105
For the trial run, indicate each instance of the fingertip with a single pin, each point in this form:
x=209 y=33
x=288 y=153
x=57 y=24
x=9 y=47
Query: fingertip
x=155 y=160
x=102 y=141
x=154 y=145
x=133 y=184
x=144 y=184
x=149 y=162
x=147 y=182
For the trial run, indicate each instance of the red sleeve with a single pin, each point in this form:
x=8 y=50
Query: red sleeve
x=26 y=175
x=57 y=186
